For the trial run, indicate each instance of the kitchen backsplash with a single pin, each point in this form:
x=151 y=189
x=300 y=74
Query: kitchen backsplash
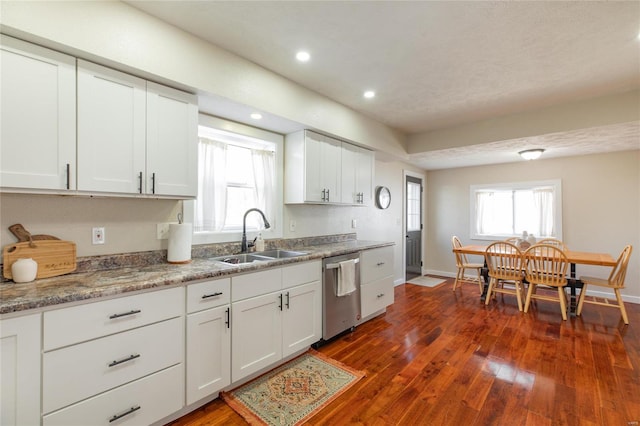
x=105 y=262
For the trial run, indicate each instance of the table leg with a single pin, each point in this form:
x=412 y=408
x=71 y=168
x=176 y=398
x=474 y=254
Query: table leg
x=574 y=283
x=485 y=287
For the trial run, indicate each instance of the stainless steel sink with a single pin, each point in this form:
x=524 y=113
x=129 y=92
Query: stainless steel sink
x=280 y=254
x=237 y=259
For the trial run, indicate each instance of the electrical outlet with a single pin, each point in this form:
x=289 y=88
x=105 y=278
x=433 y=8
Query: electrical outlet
x=353 y=223
x=162 y=230
x=97 y=236
x=292 y=226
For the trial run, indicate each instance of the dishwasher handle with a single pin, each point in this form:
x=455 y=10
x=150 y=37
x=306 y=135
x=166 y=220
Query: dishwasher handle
x=337 y=265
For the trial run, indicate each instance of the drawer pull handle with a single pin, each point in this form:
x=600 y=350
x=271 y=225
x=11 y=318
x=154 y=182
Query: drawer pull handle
x=379 y=263
x=132 y=312
x=228 y=321
x=380 y=295
x=129 y=358
x=287 y=300
x=126 y=413
x=217 y=293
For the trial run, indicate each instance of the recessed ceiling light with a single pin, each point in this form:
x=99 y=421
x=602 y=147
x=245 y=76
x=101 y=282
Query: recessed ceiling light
x=256 y=116
x=303 y=56
x=369 y=94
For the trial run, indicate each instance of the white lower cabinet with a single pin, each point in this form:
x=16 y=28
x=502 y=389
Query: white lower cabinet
x=20 y=370
x=127 y=368
x=79 y=371
x=208 y=338
x=256 y=334
x=141 y=402
x=376 y=274
x=302 y=317
x=268 y=327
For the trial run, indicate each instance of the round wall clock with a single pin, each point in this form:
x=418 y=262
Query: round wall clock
x=383 y=197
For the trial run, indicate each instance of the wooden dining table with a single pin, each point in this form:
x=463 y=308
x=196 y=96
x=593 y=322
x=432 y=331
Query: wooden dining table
x=574 y=258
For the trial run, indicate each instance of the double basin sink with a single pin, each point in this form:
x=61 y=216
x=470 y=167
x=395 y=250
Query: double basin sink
x=262 y=256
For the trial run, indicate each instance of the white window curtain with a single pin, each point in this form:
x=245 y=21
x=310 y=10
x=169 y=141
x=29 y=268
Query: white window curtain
x=543 y=201
x=482 y=203
x=211 y=205
x=263 y=172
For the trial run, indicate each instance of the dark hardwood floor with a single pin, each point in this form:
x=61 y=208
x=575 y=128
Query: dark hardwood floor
x=443 y=358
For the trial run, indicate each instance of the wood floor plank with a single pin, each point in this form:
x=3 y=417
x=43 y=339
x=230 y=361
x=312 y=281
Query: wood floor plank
x=438 y=357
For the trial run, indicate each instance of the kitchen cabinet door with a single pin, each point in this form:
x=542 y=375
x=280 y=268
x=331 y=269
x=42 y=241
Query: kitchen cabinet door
x=256 y=334
x=208 y=352
x=357 y=175
x=302 y=317
x=312 y=168
x=172 y=142
x=20 y=370
x=111 y=130
x=38 y=115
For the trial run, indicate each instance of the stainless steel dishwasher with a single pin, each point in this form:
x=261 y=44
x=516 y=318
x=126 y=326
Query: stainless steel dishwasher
x=339 y=313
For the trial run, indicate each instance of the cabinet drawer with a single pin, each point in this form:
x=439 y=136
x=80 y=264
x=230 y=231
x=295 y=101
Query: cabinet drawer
x=301 y=273
x=376 y=264
x=157 y=395
x=67 y=326
x=77 y=372
x=255 y=284
x=208 y=294
x=376 y=295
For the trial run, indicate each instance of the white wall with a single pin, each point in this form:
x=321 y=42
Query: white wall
x=130 y=224
x=601 y=207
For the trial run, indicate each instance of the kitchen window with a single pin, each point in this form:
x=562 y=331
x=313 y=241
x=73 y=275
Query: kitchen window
x=500 y=211
x=239 y=167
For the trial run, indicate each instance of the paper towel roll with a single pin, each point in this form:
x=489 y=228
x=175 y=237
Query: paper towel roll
x=179 y=250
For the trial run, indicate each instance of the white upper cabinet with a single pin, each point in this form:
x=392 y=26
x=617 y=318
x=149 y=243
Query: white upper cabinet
x=111 y=130
x=38 y=116
x=323 y=170
x=134 y=136
x=312 y=168
x=172 y=141
x=357 y=175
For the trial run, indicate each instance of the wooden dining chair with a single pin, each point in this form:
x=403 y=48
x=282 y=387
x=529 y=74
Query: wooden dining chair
x=546 y=265
x=614 y=282
x=462 y=263
x=553 y=242
x=505 y=264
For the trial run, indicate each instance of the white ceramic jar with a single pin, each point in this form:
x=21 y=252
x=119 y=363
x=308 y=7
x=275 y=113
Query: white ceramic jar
x=24 y=270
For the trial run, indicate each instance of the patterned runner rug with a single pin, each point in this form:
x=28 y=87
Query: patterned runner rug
x=293 y=392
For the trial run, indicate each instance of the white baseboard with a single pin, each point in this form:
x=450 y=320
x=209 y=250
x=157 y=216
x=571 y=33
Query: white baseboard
x=590 y=291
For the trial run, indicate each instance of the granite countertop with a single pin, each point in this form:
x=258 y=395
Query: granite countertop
x=84 y=286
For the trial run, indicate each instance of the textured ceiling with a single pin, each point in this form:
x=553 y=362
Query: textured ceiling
x=435 y=65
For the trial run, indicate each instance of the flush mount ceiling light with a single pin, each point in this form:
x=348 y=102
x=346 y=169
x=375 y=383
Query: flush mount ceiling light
x=531 y=154
x=303 y=56
x=369 y=94
x=256 y=116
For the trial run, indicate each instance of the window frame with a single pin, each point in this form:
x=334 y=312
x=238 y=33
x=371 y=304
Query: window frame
x=276 y=222
x=556 y=184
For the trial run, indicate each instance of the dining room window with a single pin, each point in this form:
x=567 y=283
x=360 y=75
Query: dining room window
x=506 y=210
